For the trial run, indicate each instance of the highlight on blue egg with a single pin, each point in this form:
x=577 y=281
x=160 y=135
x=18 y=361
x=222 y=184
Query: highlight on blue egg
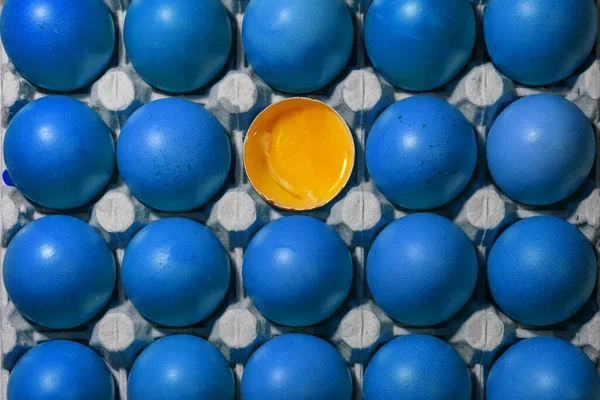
x=297 y=271
x=61 y=369
x=181 y=367
x=59 y=45
x=421 y=269
x=59 y=272
x=173 y=154
x=546 y=368
x=175 y=271
x=193 y=39
x=419 y=45
x=417 y=367
x=539 y=42
x=297 y=46
x=421 y=152
x=58 y=152
x=296 y=366
x=540 y=149
x=541 y=271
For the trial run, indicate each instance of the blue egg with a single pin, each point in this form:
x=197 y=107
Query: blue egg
x=421 y=152
x=181 y=367
x=59 y=271
x=422 y=269
x=59 y=152
x=173 y=154
x=59 y=45
x=543 y=368
x=419 y=44
x=297 y=271
x=417 y=367
x=539 y=42
x=296 y=366
x=59 y=370
x=540 y=149
x=175 y=272
x=541 y=270
x=192 y=37
x=297 y=46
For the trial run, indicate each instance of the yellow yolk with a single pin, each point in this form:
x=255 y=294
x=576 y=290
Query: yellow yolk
x=299 y=154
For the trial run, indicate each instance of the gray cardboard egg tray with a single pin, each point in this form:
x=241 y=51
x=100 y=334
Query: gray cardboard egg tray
x=479 y=332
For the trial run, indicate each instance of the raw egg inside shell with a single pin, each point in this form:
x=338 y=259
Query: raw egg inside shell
x=299 y=154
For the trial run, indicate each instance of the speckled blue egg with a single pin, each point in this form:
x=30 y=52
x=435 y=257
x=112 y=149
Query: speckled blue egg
x=297 y=271
x=422 y=269
x=59 y=271
x=540 y=149
x=541 y=270
x=539 y=42
x=545 y=368
x=296 y=366
x=297 y=46
x=59 y=152
x=421 y=152
x=192 y=37
x=181 y=367
x=173 y=154
x=419 y=44
x=59 y=45
x=417 y=367
x=59 y=370
x=175 y=272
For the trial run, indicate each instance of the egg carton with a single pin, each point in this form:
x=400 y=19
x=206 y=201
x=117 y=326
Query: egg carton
x=479 y=332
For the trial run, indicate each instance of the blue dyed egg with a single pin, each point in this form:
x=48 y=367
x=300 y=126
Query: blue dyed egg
x=59 y=45
x=59 y=370
x=297 y=46
x=296 y=366
x=297 y=271
x=181 y=367
x=59 y=271
x=541 y=270
x=543 y=368
x=421 y=152
x=539 y=42
x=419 y=44
x=417 y=367
x=422 y=269
x=173 y=154
x=192 y=37
x=59 y=152
x=175 y=272
x=540 y=149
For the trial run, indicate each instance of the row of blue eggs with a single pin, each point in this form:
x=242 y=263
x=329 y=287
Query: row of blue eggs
x=172 y=153
x=175 y=156
x=296 y=46
x=59 y=272
x=298 y=271
x=304 y=367
x=421 y=152
x=421 y=270
x=421 y=367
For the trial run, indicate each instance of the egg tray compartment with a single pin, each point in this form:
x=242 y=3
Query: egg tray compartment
x=480 y=331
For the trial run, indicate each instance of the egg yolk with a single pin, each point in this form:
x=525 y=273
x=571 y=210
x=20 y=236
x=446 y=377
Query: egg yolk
x=299 y=154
